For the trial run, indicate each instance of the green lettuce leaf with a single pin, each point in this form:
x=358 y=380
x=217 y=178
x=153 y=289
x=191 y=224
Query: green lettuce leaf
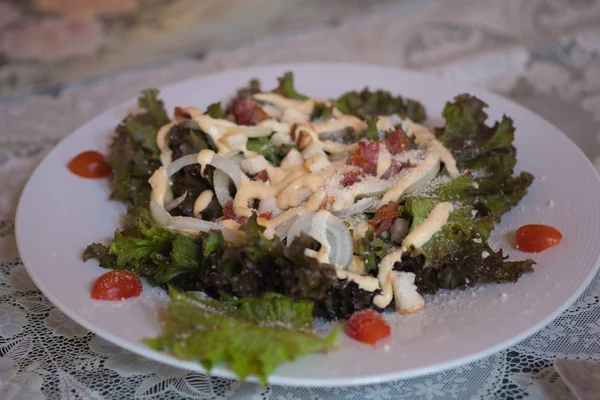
x=458 y=255
x=273 y=154
x=472 y=264
x=207 y=263
x=259 y=265
x=252 y=336
x=379 y=102
x=215 y=110
x=372 y=249
x=152 y=252
x=487 y=151
x=321 y=111
x=133 y=154
x=286 y=87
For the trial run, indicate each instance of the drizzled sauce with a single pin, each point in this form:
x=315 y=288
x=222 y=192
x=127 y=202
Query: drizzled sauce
x=89 y=164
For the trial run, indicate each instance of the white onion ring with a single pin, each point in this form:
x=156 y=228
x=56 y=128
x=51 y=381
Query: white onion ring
x=371 y=189
x=221 y=179
x=224 y=164
x=181 y=162
x=176 y=202
x=360 y=206
x=221 y=185
x=229 y=167
x=162 y=217
x=337 y=235
x=281 y=231
x=206 y=226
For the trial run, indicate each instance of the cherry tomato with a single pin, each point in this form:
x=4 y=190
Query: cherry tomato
x=89 y=164
x=117 y=285
x=535 y=238
x=367 y=326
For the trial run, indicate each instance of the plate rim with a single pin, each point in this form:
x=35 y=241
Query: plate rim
x=275 y=379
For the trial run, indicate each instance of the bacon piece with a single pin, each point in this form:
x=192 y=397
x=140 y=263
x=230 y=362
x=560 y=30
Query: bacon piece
x=366 y=157
x=350 y=178
x=384 y=217
x=384 y=226
x=248 y=112
x=396 y=141
x=267 y=215
x=262 y=176
x=228 y=213
x=181 y=113
x=395 y=168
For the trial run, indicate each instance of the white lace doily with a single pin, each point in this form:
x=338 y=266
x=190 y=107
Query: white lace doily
x=544 y=54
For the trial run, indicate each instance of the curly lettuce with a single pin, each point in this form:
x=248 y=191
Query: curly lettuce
x=133 y=154
x=458 y=255
x=252 y=336
x=367 y=103
x=487 y=151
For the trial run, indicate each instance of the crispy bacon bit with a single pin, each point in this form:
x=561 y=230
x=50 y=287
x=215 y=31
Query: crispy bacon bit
x=366 y=157
x=181 y=113
x=228 y=213
x=396 y=141
x=384 y=226
x=350 y=178
x=248 y=112
x=395 y=168
x=262 y=176
x=267 y=215
x=384 y=217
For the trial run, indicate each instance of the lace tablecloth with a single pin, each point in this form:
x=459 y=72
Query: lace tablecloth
x=544 y=54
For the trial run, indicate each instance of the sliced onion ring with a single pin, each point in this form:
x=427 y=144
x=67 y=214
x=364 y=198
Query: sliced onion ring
x=360 y=206
x=162 y=217
x=221 y=179
x=205 y=226
x=337 y=235
x=176 y=202
x=224 y=164
x=229 y=167
x=181 y=162
x=221 y=185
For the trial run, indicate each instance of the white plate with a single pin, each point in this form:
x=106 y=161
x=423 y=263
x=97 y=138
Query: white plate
x=59 y=214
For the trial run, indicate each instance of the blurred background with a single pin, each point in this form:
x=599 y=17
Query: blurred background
x=45 y=43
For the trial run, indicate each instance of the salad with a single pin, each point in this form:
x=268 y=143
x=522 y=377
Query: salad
x=264 y=213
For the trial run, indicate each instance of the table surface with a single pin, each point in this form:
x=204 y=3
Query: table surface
x=545 y=54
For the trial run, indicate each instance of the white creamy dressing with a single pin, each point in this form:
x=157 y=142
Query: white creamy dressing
x=313 y=173
x=426 y=139
x=365 y=282
x=416 y=238
x=162 y=142
x=203 y=201
x=204 y=158
x=419 y=176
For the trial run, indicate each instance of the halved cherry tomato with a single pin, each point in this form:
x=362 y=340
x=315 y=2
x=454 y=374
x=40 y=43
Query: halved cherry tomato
x=534 y=238
x=89 y=164
x=117 y=285
x=367 y=326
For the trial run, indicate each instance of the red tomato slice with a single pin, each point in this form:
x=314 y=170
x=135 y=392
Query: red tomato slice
x=89 y=164
x=367 y=326
x=117 y=285
x=534 y=238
